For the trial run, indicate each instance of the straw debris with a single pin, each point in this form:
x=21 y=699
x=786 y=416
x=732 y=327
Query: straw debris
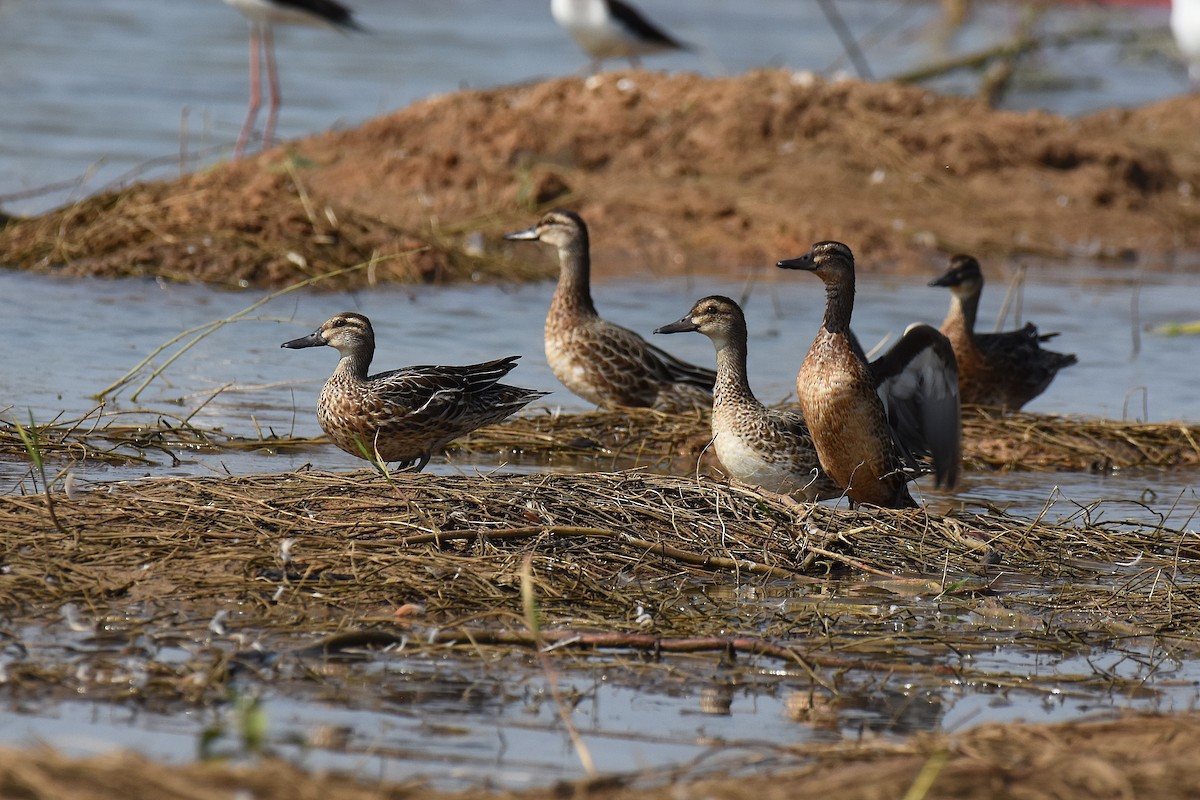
x=991 y=441
x=674 y=442
x=324 y=565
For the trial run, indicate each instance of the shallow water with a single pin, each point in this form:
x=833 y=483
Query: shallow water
x=100 y=92
x=460 y=723
x=99 y=89
x=238 y=379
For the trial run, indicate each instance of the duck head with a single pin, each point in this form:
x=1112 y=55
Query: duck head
x=964 y=277
x=832 y=262
x=348 y=332
x=560 y=228
x=716 y=316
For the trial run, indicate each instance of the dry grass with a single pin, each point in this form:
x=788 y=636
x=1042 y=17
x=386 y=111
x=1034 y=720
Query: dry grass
x=620 y=561
x=644 y=437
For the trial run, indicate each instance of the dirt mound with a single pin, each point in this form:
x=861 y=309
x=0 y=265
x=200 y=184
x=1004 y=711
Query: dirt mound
x=675 y=173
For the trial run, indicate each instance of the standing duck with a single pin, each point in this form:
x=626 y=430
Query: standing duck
x=601 y=362
x=756 y=445
x=1005 y=370
x=407 y=414
x=870 y=421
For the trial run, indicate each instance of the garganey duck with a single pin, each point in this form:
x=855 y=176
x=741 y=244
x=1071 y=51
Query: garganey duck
x=756 y=445
x=870 y=421
x=1006 y=369
x=601 y=362
x=611 y=29
x=407 y=414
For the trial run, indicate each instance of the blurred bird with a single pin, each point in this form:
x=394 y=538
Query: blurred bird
x=611 y=29
x=262 y=15
x=1185 y=25
x=1006 y=369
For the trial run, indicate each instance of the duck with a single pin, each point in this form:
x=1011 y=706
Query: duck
x=1004 y=370
x=873 y=422
x=756 y=445
x=408 y=414
x=602 y=362
x=607 y=29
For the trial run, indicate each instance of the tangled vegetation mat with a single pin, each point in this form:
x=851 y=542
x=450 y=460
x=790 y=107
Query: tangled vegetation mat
x=171 y=594
x=621 y=561
x=640 y=437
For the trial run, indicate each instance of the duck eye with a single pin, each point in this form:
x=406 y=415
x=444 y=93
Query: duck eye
x=339 y=323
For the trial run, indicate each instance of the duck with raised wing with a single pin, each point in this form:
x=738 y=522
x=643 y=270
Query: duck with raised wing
x=765 y=447
x=1006 y=369
x=611 y=29
x=407 y=414
x=602 y=362
x=872 y=422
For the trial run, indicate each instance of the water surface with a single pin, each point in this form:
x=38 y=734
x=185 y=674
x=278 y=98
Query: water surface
x=95 y=93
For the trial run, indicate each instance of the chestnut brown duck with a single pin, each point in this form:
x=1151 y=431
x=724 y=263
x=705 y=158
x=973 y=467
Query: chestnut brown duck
x=765 y=447
x=1006 y=369
x=407 y=414
x=596 y=359
x=871 y=423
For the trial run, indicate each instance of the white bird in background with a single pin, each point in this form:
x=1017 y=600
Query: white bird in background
x=262 y=15
x=1185 y=25
x=611 y=29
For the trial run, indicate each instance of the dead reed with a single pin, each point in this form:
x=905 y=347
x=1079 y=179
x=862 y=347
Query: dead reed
x=644 y=437
x=623 y=562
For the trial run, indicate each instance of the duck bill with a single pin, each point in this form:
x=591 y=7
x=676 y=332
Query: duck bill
x=527 y=235
x=314 y=339
x=682 y=326
x=949 y=279
x=804 y=262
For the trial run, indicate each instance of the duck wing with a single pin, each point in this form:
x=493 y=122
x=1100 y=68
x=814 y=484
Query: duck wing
x=917 y=380
x=437 y=391
x=674 y=370
x=1020 y=354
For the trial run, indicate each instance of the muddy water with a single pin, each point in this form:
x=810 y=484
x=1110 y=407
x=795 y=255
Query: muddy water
x=100 y=92
x=468 y=722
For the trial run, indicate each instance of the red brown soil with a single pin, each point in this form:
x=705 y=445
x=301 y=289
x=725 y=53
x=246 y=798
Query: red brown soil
x=1138 y=757
x=673 y=172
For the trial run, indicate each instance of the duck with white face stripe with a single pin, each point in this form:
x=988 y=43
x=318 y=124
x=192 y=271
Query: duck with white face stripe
x=408 y=414
x=598 y=360
x=765 y=447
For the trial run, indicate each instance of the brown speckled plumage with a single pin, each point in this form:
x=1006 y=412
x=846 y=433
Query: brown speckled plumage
x=865 y=447
x=602 y=362
x=756 y=445
x=1006 y=369
x=407 y=414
